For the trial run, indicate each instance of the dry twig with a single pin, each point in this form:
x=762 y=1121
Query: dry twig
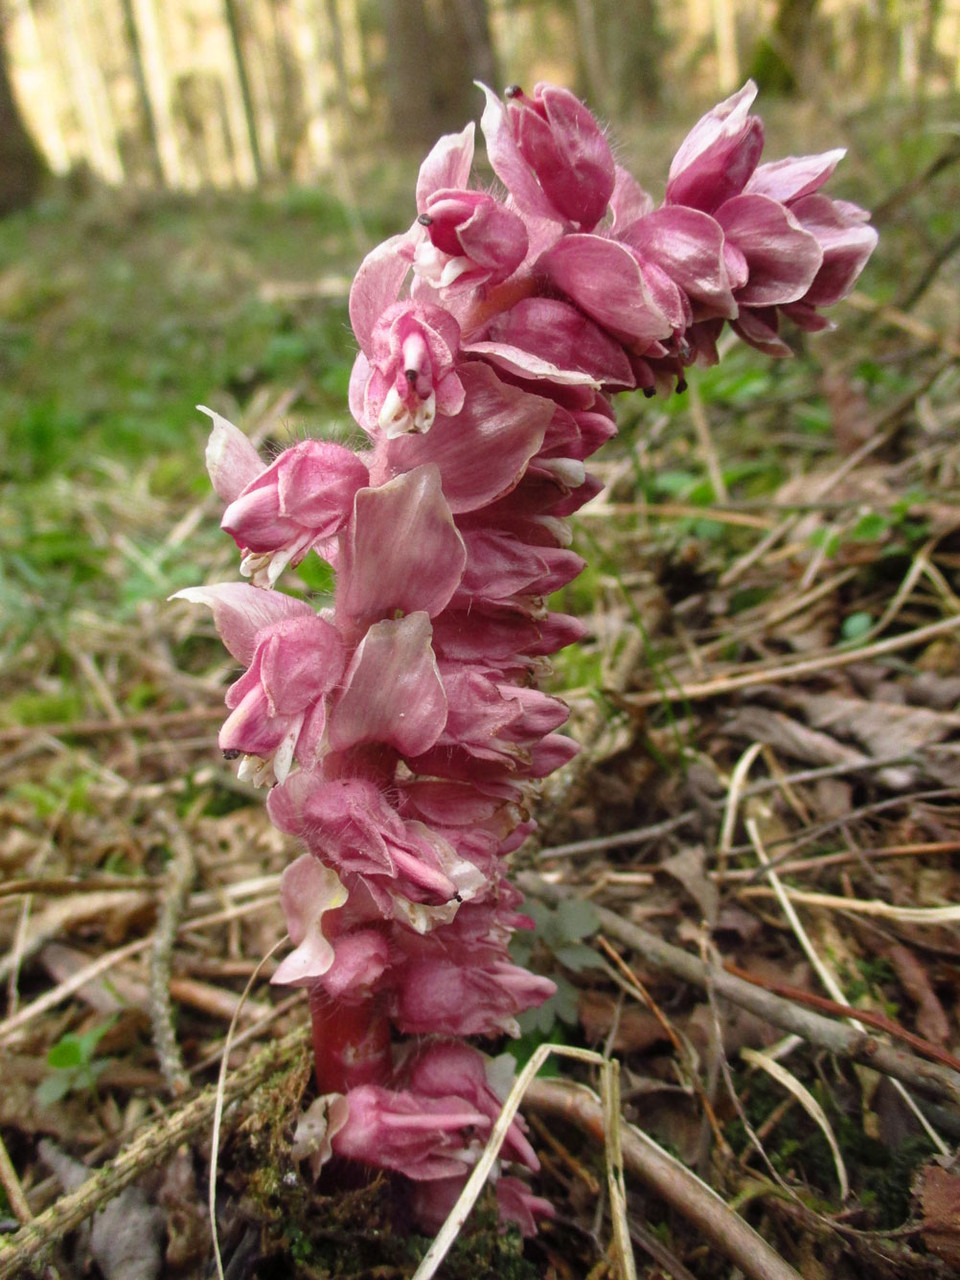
x=668 y=1178
x=930 y=1078
x=150 y=1149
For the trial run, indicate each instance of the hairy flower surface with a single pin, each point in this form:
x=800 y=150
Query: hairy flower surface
x=401 y=727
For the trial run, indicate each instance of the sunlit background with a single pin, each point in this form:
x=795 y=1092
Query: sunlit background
x=188 y=93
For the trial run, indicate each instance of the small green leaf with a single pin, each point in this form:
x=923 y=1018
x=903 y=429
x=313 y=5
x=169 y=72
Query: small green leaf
x=54 y=1088
x=576 y=957
x=856 y=625
x=577 y=918
x=871 y=527
x=67 y=1053
x=566 y=1002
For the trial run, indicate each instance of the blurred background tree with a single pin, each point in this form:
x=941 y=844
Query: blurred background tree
x=193 y=93
x=22 y=168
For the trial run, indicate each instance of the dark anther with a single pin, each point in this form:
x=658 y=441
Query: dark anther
x=232 y=754
x=681 y=386
x=649 y=392
x=513 y=91
x=425 y=220
x=411 y=376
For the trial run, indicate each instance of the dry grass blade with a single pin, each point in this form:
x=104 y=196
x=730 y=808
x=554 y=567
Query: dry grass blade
x=862 y=906
x=761 y=674
x=826 y=976
x=671 y=1180
x=611 y=1130
x=219 y=1101
x=809 y=1104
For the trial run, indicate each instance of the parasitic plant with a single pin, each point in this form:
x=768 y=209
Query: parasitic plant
x=402 y=731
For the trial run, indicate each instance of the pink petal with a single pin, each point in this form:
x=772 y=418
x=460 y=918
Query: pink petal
x=847 y=242
x=401 y=552
x=377 y=282
x=447 y=165
x=392 y=690
x=547 y=338
x=508 y=164
x=718 y=155
x=628 y=202
x=604 y=279
x=688 y=245
x=483 y=450
x=793 y=177
x=783 y=258
x=232 y=461
x=307 y=890
x=240 y=611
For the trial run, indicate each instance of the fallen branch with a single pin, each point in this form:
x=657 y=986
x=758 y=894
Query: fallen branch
x=930 y=1078
x=150 y=1149
x=878 y=1020
x=672 y=1181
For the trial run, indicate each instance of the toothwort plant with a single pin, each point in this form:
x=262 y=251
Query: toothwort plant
x=402 y=731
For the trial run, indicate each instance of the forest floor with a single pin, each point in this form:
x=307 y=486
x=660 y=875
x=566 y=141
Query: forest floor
x=772 y=676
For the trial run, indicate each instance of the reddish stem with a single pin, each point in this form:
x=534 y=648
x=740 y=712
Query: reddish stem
x=351 y=1043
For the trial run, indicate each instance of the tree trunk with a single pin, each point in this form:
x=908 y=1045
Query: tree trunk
x=22 y=168
x=435 y=49
x=778 y=63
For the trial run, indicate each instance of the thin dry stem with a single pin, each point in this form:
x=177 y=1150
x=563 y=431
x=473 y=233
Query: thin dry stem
x=150 y=1149
x=930 y=1078
x=668 y=1178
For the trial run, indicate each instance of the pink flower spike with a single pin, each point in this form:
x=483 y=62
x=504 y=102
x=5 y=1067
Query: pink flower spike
x=392 y=692
x=232 y=461
x=240 y=611
x=718 y=155
x=402 y=552
x=307 y=890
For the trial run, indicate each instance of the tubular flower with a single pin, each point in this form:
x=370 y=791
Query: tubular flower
x=402 y=727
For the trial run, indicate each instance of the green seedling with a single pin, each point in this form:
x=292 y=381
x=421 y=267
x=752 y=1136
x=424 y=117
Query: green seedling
x=561 y=932
x=74 y=1066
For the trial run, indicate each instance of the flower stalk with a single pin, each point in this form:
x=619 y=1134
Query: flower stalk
x=402 y=731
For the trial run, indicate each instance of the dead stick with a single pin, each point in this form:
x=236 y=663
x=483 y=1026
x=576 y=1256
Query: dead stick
x=786 y=670
x=180 y=877
x=152 y=1147
x=90 y=728
x=929 y=1077
x=866 y=1016
x=668 y=1178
